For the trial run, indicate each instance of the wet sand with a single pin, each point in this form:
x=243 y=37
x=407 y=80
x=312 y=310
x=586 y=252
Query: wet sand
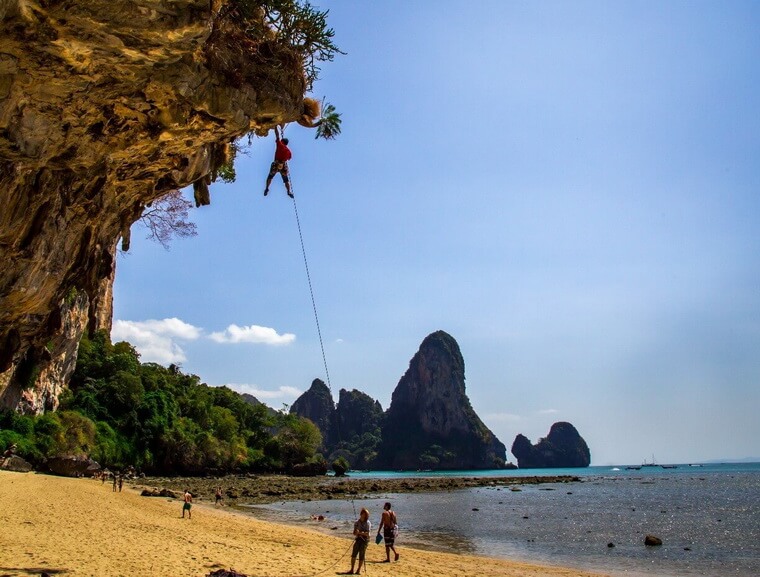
x=80 y=527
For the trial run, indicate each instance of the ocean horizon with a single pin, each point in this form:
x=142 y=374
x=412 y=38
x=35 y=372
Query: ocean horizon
x=707 y=515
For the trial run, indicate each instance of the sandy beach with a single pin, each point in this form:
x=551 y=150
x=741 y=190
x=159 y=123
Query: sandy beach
x=77 y=527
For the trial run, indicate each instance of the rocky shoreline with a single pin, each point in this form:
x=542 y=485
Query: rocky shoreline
x=263 y=489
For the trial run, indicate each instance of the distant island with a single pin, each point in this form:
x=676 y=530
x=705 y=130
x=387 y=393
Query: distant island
x=562 y=447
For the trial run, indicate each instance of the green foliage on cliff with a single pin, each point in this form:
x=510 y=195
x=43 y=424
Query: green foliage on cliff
x=297 y=25
x=122 y=412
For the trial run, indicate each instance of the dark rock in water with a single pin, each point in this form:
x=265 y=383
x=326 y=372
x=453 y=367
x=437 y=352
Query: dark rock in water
x=652 y=541
x=610 y=545
x=563 y=447
x=72 y=466
x=16 y=464
x=430 y=423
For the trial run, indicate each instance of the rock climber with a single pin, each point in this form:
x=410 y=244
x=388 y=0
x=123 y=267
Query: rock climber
x=280 y=164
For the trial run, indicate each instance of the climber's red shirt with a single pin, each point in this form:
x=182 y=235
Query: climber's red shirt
x=282 y=153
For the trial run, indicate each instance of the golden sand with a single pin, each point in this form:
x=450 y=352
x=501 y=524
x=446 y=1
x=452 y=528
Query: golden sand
x=73 y=527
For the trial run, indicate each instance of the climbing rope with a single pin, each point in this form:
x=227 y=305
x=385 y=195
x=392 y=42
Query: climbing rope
x=311 y=288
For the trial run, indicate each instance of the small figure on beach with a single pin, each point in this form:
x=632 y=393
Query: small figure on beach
x=121 y=482
x=389 y=527
x=362 y=528
x=115 y=481
x=280 y=164
x=218 y=497
x=188 y=504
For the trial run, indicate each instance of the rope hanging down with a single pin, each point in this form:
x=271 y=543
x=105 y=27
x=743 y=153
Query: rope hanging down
x=311 y=289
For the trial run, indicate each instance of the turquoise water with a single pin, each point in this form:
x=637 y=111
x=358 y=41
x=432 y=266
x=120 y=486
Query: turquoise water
x=708 y=518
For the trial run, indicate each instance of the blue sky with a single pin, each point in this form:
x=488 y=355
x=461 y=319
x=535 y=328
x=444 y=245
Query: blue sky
x=570 y=189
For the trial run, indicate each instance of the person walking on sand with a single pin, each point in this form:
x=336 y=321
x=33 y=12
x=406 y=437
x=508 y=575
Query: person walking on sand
x=115 y=481
x=218 y=497
x=188 y=504
x=389 y=527
x=280 y=164
x=121 y=482
x=362 y=528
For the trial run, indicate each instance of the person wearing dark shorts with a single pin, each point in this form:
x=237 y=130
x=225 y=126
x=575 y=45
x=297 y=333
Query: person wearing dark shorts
x=389 y=527
x=280 y=164
x=188 y=504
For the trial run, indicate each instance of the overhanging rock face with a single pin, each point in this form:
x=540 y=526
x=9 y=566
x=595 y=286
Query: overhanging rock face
x=104 y=107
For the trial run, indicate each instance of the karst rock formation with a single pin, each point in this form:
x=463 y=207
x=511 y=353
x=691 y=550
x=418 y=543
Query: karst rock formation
x=430 y=422
x=317 y=405
x=106 y=106
x=562 y=447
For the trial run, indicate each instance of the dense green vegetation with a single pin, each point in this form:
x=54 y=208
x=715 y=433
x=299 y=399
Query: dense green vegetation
x=122 y=412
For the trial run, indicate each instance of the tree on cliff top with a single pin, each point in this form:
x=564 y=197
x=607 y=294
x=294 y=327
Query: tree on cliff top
x=295 y=24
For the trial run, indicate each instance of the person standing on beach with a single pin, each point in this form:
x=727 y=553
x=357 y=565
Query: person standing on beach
x=115 y=481
x=389 y=527
x=362 y=528
x=218 y=497
x=121 y=482
x=188 y=504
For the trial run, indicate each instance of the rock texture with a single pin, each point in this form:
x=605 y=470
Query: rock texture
x=15 y=463
x=563 y=447
x=72 y=466
x=317 y=405
x=357 y=414
x=105 y=107
x=430 y=423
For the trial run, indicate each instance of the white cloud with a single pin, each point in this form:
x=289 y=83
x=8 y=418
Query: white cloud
x=548 y=412
x=252 y=334
x=502 y=417
x=155 y=339
x=283 y=392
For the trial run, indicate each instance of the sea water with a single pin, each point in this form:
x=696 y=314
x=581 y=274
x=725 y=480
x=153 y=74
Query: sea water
x=708 y=518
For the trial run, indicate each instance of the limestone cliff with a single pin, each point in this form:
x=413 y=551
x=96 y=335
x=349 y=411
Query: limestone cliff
x=562 y=447
x=317 y=405
x=351 y=428
x=430 y=422
x=104 y=107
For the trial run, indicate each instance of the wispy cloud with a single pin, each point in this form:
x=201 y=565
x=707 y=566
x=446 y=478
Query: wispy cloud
x=548 y=412
x=284 y=392
x=155 y=340
x=252 y=334
x=502 y=417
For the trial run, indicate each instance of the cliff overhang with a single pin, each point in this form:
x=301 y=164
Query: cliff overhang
x=105 y=107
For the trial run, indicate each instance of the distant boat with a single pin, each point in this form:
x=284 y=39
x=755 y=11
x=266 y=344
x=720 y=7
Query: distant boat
x=652 y=464
x=633 y=468
x=669 y=466
x=615 y=469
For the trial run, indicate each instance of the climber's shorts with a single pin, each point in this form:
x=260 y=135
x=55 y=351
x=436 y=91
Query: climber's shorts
x=281 y=167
